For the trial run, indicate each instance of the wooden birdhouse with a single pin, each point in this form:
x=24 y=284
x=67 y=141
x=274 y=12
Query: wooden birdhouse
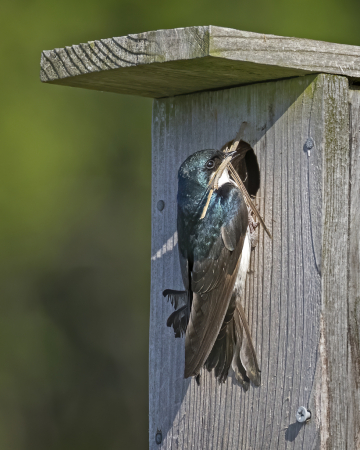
x=302 y=105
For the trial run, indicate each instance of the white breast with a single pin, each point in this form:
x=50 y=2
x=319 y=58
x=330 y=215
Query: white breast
x=225 y=178
x=244 y=266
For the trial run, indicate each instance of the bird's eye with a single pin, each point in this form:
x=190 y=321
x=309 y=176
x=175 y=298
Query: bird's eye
x=210 y=164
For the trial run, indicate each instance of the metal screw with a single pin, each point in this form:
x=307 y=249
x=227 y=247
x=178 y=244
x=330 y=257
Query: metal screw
x=160 y=205
x=302 y=414
x=309 y=144
x=158 y=437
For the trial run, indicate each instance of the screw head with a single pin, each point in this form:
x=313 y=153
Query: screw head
x=309 y=144
x=302 y=414
x=160 y=205
x=158 y=437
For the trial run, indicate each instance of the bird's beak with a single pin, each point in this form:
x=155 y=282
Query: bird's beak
x=232 y=154
x=236 y=154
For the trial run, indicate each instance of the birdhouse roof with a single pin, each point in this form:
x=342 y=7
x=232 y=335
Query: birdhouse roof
x=165 y=63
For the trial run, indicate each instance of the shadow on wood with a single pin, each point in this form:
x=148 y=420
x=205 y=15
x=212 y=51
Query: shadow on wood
x=293 y=431
x=283 y=294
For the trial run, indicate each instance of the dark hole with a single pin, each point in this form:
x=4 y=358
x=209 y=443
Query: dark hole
x=247 y=168
x=354 y=85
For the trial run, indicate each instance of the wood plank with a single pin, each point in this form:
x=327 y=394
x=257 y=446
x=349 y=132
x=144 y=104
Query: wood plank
x=290 y=318
x=178 y=61
x=334 y=314
x=354 y=274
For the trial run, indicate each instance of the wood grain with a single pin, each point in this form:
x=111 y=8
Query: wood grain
x=334 y=313
x=178 y=61
x=296 y=290
x=354 y=274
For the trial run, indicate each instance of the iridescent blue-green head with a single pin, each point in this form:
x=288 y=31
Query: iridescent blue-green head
x=194 y=176
x=198 y=168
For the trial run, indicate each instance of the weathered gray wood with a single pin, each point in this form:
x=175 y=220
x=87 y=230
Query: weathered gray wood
x=354 y=274
x=334 y=314
x=296 y=291
x=164 y=63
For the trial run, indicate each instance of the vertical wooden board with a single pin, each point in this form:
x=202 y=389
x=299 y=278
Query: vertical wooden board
x=334 y=315
x=283 y=295
x=354 y=274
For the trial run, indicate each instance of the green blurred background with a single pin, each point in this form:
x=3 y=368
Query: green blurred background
x=75 y=217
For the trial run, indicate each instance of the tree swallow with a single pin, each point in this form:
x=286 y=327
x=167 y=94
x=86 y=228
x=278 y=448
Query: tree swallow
x=214 y=256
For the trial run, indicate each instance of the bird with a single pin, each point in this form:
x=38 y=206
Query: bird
x=214 y=252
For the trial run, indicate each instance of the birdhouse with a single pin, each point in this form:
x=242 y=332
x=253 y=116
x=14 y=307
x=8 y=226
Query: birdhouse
x=301 y=102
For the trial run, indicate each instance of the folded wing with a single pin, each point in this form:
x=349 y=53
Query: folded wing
x=212 y=277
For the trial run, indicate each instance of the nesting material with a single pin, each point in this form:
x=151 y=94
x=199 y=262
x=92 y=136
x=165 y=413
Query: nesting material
x=226 y=164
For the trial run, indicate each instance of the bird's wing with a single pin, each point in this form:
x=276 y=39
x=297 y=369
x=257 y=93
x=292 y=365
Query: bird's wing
x=184 y=266
x=213 y=278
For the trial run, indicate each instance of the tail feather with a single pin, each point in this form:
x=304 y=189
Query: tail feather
x=233 y=348
x=222 y=352
x=239 y=370
x=247 y=351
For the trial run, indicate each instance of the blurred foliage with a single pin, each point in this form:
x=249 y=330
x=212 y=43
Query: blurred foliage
x=75 y=207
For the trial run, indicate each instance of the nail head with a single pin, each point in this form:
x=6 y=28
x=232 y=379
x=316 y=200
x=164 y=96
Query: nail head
x=158 y=437
x=160 y=205
x=309 y=144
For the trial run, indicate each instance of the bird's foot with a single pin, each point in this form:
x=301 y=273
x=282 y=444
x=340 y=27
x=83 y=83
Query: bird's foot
x=179 y=319
x=176 y=298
